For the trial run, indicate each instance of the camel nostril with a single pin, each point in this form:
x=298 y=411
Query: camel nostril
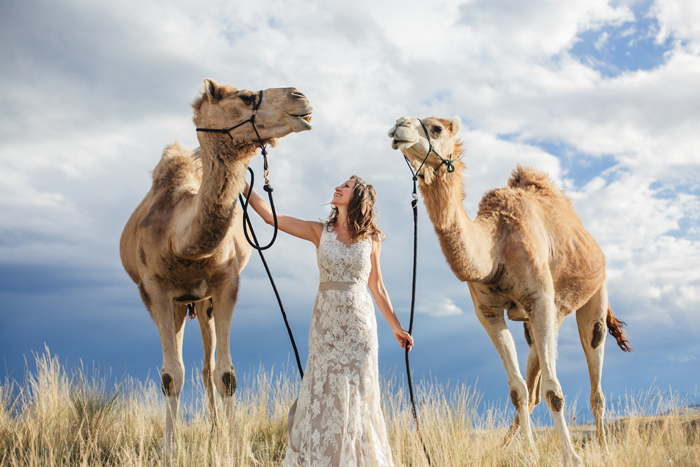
x=296 y=93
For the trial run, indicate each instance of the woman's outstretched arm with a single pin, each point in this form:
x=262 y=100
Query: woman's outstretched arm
x=306 y=230
x=381 y=296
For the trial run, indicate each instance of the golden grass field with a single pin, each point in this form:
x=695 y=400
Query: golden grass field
x=56 y=417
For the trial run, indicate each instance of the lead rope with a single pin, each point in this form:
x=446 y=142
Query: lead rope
x=244 y=204
x=414 y=207
x=256 y=245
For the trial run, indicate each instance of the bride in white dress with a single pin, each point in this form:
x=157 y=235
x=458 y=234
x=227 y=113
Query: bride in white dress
x=337 y=420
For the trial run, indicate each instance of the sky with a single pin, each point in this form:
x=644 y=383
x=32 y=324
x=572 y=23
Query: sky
x=602 y=95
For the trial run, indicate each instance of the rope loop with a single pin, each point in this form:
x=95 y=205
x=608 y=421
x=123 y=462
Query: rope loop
x=256 y=245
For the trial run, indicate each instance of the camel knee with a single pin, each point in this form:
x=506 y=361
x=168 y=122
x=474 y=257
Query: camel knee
x=555 y=400
x=518 y=395
x=172 y=382
x=226 y=383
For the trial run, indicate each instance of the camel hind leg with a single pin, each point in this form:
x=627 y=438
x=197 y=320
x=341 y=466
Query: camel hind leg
x=592 y=329
x=205 y=317
x=544 y=326
x=224 y=299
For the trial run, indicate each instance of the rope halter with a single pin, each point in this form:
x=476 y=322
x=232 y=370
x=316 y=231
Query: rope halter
x=449 y=162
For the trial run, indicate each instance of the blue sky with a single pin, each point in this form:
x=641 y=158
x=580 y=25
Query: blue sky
x=604 y=96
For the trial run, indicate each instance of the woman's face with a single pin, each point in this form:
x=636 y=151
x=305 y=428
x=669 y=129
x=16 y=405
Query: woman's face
x=343 y=193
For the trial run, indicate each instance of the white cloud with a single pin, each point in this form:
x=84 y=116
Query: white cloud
x=678 y=21
x=441 y=306
x=602 y=40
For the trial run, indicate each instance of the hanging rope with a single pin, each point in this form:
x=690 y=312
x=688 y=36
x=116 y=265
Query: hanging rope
x=256 y=245
x=414 y=207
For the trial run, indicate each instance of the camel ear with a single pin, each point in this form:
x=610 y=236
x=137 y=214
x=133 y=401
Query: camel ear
x=456 y=124
x=211 y=89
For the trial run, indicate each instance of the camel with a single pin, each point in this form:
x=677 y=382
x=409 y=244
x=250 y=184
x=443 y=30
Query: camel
x=184 y=245
x=527 y=255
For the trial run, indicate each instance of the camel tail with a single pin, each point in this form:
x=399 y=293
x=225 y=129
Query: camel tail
x=615 y=329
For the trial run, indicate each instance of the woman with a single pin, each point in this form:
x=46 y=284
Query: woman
x=337 y=419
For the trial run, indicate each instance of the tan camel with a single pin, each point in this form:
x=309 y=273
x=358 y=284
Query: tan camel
x=526 y=252
x=184 y=246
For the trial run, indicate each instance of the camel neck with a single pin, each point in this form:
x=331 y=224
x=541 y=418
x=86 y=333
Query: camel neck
x=464 y=242
x=224 y=168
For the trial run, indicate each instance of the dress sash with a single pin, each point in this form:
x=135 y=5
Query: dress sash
x=344 y=286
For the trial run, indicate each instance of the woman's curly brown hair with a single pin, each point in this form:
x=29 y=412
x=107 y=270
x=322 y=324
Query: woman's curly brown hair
x=362 y=218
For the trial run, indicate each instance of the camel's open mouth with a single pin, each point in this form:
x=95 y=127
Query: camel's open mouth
x=305 y=117
x=400 y=144
x=301 y=122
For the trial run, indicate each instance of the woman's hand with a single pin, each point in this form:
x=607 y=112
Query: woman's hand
x=404 y=338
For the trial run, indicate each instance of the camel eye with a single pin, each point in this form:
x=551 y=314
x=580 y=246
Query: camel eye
x=437 y=130
x=248 y=99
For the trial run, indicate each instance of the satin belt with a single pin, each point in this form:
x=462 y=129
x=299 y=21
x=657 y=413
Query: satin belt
x=344 y=286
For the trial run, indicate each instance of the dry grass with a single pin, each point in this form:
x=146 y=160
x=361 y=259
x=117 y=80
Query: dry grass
x=60 y=418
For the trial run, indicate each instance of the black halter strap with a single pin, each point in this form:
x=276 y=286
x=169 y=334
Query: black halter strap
x=251 y=120
x=448 y=162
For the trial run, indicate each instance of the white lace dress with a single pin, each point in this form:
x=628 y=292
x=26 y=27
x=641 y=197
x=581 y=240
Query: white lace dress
x=338 y=419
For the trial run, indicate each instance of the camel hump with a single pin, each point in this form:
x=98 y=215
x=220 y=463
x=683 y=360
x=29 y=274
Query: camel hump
x=529 y=179
x=177 y=167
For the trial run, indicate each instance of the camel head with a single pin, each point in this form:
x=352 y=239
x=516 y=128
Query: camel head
x=281 y=112
x=409 y=137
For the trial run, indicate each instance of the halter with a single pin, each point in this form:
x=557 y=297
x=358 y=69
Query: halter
x=251 y=120
x=266 y=171
x=448 y=162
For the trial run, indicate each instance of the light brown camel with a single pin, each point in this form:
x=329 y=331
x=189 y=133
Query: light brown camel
x=527 y=253
x=184 y=243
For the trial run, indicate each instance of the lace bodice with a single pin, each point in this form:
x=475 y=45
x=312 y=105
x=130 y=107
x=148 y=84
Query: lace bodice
x=339 y=262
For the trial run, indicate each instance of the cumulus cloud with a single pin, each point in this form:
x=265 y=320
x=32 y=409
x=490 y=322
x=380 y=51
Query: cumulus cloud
x=442 y=306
